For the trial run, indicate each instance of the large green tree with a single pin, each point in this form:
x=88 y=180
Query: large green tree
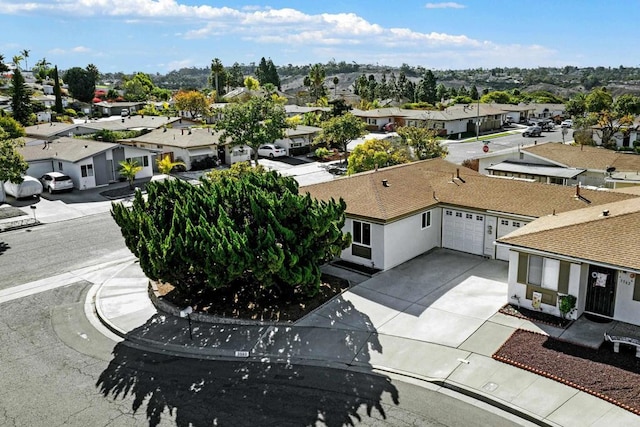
x=235 y=77
x=608 y=117
x=426 y=90
x=138 y=88
x=12 y=164
x=267 y=73
x=377 y=153
x=254 y=123
x=57 y=91
x=340 y=131
x=20 y=99
x=81 y=82
x=423 y=141
x=245 y=229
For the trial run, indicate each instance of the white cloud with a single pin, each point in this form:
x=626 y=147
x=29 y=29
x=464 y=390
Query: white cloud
x=445 y=5
x=288 y=29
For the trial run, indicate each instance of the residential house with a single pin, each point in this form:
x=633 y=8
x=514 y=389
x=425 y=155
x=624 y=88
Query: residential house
x=589 y=253
x=564 y=164
x=185 y=145
x=89 y=163
x=454 y=121
x=107 y=108
x=397 y=213
x=298 y=140
x=297 y=110
x=520 y=113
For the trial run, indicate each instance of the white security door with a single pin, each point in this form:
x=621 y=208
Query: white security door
x=463 y=231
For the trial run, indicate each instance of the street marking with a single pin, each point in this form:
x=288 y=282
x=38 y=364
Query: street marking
x=59 y=281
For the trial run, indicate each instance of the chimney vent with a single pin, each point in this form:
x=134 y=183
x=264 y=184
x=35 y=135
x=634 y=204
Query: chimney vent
x=605 y=212
x=385 y=183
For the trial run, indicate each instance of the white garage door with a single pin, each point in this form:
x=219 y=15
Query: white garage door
x=463 y=231
x=506 y=226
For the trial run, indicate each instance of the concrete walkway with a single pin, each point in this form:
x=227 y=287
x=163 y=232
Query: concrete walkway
x=432 y=319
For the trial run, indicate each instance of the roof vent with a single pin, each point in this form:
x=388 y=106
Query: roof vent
x=605 y=212
x=385 y=183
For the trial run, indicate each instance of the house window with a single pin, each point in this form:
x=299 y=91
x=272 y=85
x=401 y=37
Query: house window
x=361 y=233
x=141 y=161
x=60 y=166
x=459 y=214
x=534 y=271
x=479 y=218
x=372 y=121
x=86 y=170
x=469 y=216
x=426 y=219
x=516 y=224
x=448 y=213
x=547 y=276
x=504 y=222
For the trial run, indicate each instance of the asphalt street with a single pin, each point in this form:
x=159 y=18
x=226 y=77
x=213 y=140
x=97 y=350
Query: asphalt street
x=47 y=250
x=57 y=370
x=460 y=151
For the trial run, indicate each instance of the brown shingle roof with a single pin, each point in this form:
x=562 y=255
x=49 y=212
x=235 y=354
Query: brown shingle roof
x=412 y=187
x=585 y=157
x=587 y=234
x=183 y=138
x=67 y=149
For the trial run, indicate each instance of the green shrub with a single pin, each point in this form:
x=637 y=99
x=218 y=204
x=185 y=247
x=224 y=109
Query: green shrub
x=322 y=152
x=70 y=112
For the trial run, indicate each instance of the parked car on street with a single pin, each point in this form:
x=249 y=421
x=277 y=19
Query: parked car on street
x=566 y=123
x=532 y=131
x=271 y=150
x=29 y=187
x=56 y=181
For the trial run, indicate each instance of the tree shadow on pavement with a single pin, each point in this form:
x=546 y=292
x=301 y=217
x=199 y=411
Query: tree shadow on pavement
x=270 y=388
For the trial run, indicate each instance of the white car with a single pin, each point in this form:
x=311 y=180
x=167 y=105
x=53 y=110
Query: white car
x=566 y=123
x=271 y=150
x=56 y=181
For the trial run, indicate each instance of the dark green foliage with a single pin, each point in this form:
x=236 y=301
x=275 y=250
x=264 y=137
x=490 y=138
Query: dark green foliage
x=57 y=91
x=20 y=99
x=267 y=73
x=240 y=229
x=81 y=82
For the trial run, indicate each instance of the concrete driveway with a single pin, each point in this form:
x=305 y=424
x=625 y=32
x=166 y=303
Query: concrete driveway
x=442 y=297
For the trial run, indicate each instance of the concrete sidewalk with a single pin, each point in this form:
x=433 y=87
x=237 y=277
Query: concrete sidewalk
x=435 y=325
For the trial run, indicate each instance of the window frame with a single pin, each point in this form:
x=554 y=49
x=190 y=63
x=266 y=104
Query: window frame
x=363 y=236
x=425 y=219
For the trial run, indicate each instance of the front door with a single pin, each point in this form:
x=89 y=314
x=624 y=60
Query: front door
x=601 y=291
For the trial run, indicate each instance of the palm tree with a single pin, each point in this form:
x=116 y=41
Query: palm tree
x=216 y=69
x=25 y=55
x=316 y=78
x=129 y=169
x=17 y=59
x=165 y=166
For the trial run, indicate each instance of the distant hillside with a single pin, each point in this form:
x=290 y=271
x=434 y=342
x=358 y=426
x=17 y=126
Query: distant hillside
x=563 y=82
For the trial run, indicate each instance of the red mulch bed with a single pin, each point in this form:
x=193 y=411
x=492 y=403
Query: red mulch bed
x=614 y=377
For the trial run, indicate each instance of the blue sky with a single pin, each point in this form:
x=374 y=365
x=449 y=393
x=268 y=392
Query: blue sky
x=162 y=35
